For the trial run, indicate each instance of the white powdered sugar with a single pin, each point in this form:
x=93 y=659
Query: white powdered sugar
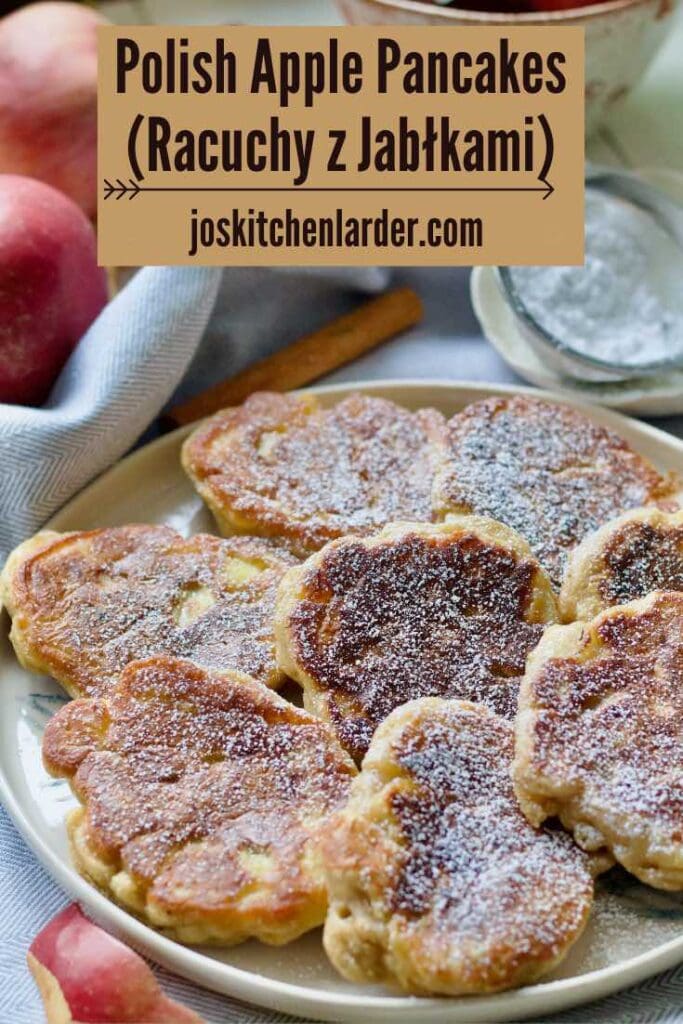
x=625 y=305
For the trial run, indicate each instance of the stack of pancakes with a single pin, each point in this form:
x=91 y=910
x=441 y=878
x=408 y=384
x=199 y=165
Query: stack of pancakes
x=485 y=619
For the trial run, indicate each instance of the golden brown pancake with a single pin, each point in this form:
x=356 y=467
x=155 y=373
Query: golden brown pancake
x=281 y=466
x=85 y=604
x=202 y=795
x=437 y=883
x=544 y=469
x=627 y=558
x=448 y=610
x=600 y=735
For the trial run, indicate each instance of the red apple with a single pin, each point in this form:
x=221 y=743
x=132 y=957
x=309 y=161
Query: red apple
x=547 y=6
x=51 y=288
x=87 y=976
x=48 y=97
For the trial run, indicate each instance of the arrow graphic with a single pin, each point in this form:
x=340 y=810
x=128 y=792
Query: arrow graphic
x=119 y=189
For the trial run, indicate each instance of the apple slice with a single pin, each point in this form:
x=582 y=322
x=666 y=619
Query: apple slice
x=86 y=976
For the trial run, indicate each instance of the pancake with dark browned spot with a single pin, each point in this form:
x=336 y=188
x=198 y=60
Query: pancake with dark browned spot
x=202 y=795
x=544 y=469
x=448 y=610
x=600 y=735
x=627 y=558
x=437 y=883
x=281 y=466
x=85 y=604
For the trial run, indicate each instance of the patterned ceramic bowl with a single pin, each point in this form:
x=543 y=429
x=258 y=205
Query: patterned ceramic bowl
x=622 y=36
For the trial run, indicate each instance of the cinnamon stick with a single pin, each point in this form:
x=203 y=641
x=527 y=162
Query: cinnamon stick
x=312 y=356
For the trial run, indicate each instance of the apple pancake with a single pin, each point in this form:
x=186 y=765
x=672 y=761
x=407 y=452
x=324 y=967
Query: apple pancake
x=85 y=604
x=202 y=795
x=544 y=469
x=280 y=465
x=599 y=735
x=624 y=560
x=437 y=883
x=444 y=609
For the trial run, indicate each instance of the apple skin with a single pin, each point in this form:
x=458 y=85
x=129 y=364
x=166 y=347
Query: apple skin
x=51 y=288
x=86 y=975
x=48 y=97
x=547 y=6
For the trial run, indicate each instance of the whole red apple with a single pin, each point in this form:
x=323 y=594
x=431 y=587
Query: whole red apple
x=51 y=288
x=48 y=97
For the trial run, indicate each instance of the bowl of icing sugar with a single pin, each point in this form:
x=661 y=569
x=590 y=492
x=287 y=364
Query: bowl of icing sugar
x=620 y=315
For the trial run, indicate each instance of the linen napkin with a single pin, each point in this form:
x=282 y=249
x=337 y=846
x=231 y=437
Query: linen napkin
x=130 y=362
x=114 y=384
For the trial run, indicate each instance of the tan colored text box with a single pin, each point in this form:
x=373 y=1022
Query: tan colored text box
x=358 y=145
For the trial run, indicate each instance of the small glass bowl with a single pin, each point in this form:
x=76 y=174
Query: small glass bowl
x=560 y=356
x=568 y=361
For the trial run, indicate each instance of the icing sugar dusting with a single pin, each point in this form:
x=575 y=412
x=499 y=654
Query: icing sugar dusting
x=203 y=788
x=473 y=861
x=414 y=615
x=96 y=601
x=624 y=305
x=314 y=474
x=543 y=469
x=641 y=558
x=434 y=871
x=607 y=731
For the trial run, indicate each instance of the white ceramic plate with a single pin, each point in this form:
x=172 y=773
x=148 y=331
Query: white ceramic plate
x=634 y=931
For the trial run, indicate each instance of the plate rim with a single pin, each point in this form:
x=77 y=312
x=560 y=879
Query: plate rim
x=290 y=997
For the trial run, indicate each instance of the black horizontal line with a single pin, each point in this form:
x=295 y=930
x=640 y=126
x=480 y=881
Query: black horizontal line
x=119 y=189
x=455 y=188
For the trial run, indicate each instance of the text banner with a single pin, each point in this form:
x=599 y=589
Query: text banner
x=359 y=145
